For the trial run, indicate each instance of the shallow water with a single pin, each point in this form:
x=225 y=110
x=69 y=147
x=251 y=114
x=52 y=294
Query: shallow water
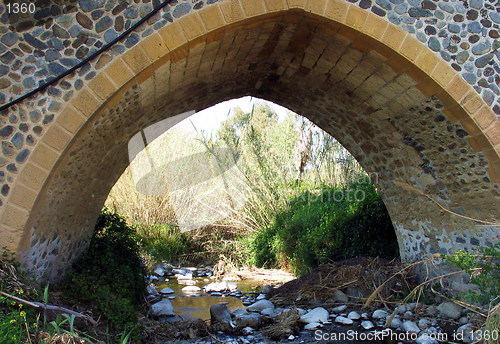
x=198 y=305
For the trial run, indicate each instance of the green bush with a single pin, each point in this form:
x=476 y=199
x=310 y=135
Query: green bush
x=110 y=276
x=484 y=271
x=332 y=224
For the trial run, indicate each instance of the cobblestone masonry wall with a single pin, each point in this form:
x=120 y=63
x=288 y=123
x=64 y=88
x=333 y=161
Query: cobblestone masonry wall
x=420 y=143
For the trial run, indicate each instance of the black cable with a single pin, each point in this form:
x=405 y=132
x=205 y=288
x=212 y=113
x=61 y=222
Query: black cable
x=87 y=59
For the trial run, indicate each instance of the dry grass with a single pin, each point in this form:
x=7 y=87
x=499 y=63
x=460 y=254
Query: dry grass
x=363 y=274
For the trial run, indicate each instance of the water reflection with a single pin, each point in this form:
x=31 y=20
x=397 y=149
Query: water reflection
x=198 y=305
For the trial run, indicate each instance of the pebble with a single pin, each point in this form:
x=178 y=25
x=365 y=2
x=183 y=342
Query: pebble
x=380 y=314
x=339 y=309
x=354 y=315
x=343 y=320
x=410 y=326
x=367 y=325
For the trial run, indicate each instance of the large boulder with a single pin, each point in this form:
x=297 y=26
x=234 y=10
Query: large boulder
x=220 y=317
x=163 y=307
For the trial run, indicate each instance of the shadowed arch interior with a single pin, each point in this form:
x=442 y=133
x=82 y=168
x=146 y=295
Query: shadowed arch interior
x=396 y=120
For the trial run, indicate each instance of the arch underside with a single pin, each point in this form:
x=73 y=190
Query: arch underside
x=316 y=68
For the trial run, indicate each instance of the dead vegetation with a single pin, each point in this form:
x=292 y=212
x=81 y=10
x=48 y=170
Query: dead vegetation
x=357 y=277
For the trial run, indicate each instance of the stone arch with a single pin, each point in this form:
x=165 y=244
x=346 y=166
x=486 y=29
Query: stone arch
x=369 y=83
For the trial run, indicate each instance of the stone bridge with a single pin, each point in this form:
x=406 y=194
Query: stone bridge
x=409 y=87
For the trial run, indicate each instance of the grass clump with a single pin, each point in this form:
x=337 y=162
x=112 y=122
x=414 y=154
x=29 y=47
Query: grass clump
x=110 y=276
x=163 y=242
x=328 y=225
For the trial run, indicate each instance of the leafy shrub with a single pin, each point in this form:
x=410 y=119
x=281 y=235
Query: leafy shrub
x=110 y=276
x=329 y=225
x=484 y=271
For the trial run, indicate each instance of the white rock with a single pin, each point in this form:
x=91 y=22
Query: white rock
x=367 y=325
x=260 y=305
x=365 y=316
x=463 y=320
x=354 y=315
x=312 y=326
x=410 y=326
x=221 y=286
x=343 y=320
x=163 y=307
x=380 y=314
x=291 y=337
x=425 y=338
x=167 y=290
x=261 y=297
x=191 y=289
x=318 y=314
x=449 y=310
x=184 y=277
